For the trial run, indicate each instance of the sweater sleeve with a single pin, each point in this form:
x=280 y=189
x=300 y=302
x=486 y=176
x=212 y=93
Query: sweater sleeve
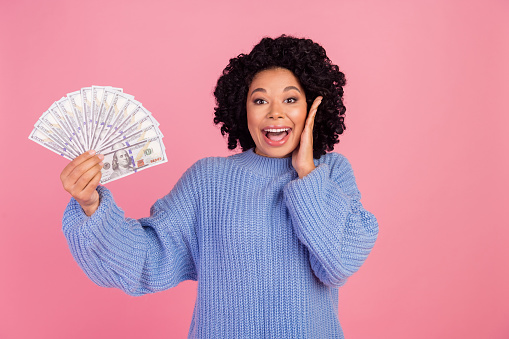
x=330 y=221
x=138 y=256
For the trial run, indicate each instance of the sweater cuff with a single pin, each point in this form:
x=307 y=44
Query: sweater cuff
x=75 y=218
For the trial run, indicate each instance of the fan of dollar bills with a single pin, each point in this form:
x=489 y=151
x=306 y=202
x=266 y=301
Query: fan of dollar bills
x=108 y=121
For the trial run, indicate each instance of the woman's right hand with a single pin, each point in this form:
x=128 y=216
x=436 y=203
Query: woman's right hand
x=81 y=177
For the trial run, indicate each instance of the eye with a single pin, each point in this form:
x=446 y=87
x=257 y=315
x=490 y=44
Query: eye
x=291 y=100
x=259 y=101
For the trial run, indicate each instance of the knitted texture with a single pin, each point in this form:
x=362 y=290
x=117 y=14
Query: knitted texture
x=269 y=250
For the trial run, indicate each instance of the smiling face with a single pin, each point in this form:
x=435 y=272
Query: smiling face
x=276 y=112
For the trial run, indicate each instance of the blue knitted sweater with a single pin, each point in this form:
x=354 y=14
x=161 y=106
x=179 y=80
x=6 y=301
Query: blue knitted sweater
x=269 y=250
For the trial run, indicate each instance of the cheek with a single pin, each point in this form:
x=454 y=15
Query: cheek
x=299 y=119
x=253 y=134
x=253 y=124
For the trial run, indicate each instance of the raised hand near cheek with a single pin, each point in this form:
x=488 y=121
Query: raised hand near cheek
x=302 y=156
x=81 y=177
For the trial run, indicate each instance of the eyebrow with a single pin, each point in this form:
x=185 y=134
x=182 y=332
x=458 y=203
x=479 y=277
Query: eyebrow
x=285 y=90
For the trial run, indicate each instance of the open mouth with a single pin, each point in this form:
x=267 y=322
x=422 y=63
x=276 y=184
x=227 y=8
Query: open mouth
x=276 y=134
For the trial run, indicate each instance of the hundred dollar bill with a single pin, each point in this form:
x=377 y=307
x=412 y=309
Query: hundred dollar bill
x=127 y=110
x=48 y=131
x=118 y=131
x=125 y=158
x=141 y=125
x=79 y=114
x=97 y=96
x=106 y=102
x=86 y=100
x=42 y=139
x=57 y=127
x=66 y=110
x=134 y=138
x=97 y=103
x=59 y=118
x=113 y=102
x=107 y=120
x=53 y=135
x=55 y=117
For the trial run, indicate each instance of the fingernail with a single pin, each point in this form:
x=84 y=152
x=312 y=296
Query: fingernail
x=91 y=152
x=101 y=164
x=100 y=156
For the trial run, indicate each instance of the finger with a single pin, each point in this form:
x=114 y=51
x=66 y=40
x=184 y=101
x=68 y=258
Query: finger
x=310 y=122
x=82 y=168
x=314 y=108
x=92 y=185
x=75 y=162
x=87 y=176
x=316 y=103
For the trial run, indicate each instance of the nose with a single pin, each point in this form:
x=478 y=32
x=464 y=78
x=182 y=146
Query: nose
x=276 y=111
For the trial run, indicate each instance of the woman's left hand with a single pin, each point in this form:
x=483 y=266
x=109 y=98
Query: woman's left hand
x=302 y=156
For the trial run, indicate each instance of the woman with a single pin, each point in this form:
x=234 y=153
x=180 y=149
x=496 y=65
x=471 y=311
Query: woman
x=269 y=233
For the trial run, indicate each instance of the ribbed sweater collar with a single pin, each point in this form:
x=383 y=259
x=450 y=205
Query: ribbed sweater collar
x=264 y=165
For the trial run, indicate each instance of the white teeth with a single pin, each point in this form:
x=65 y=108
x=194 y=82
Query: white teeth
x=275 y=130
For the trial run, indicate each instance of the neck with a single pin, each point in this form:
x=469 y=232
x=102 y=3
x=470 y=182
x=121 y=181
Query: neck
x=263 y=155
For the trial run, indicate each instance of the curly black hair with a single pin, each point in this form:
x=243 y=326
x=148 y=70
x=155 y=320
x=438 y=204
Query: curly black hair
x=309 y=63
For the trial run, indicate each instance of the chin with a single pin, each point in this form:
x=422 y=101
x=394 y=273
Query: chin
x=274 y=153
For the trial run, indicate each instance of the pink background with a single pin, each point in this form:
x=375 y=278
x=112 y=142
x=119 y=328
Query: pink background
x=426 y=135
